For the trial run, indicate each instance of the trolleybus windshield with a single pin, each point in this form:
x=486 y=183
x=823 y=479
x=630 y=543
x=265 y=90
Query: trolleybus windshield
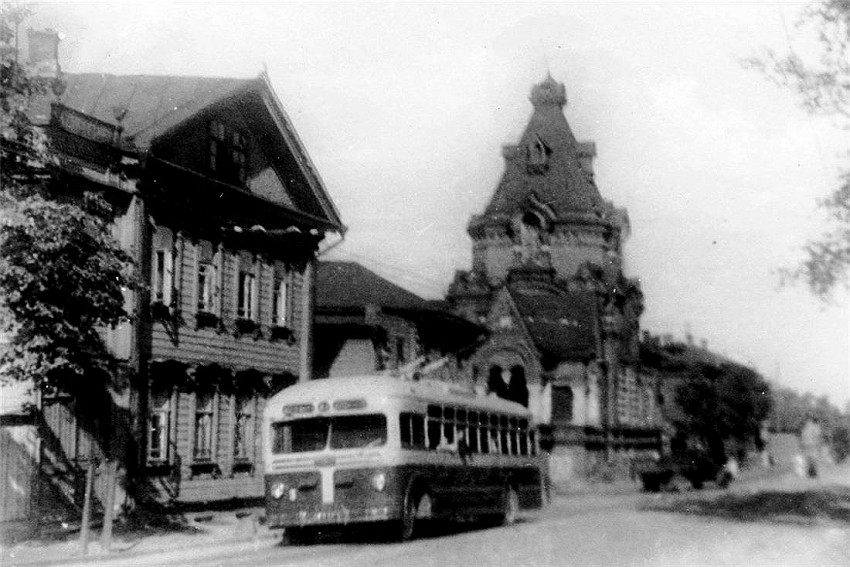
x=338 y=432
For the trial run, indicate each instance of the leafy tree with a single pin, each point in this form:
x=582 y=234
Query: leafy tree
x=723 y=405
x=718 y=404
x=822 y=86
x=61 y=272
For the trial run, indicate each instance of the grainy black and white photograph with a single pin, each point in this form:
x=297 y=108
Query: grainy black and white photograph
x=425 y=283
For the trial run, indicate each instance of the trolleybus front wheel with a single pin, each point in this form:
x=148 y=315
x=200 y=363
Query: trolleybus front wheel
x=416 y=509
x=298 y=536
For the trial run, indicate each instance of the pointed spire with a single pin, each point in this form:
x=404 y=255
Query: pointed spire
x=548 y=93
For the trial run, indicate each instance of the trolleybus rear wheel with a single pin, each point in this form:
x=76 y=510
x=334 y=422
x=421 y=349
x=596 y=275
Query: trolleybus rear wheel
x=510 y=507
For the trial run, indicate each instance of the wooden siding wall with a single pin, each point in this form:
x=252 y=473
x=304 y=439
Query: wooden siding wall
x=236 y=353
x=206 y=346
x=227 y=483
x=18 y=478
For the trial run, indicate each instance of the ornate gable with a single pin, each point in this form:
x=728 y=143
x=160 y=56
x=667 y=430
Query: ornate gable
x=548 y=163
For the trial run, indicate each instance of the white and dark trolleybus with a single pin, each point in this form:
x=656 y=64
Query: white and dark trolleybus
x=354 y=450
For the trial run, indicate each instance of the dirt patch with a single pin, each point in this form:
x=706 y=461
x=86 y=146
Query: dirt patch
x=803 y=507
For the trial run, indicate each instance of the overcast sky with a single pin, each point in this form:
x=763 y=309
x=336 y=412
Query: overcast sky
x=404 y=108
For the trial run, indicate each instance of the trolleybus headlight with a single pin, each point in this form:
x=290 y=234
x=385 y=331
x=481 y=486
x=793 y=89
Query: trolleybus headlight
x=278 y=490
x=379 y=481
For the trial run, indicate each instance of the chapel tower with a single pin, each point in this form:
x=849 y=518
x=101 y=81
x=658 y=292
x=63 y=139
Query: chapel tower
x=547 y=279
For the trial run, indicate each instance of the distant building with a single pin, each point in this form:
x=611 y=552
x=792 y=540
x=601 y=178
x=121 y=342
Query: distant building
x=547 y=281
x=366 y=324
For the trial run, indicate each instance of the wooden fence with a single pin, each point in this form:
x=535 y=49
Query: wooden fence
x=19 y=473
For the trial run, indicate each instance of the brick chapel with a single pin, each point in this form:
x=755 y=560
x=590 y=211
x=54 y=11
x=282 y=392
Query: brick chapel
x=547 y=281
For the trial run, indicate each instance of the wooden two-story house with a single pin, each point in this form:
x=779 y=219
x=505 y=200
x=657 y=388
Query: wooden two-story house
x=224 y=213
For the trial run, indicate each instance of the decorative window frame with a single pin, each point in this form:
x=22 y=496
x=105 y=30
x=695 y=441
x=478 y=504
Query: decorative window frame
x=206 y=298
x=281 y=308
x=246 y=299
x=207 y=453
x=243 y=461
x=165 y=411
x=163 y=267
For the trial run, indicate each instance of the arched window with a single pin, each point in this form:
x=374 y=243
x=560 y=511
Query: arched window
x=518 y=388
x=562 y=403
x=495 y=384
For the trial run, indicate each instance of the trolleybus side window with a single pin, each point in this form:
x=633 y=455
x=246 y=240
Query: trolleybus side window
x=412 y=431
x=461 y=429
x=449 y=425
x=472 y=434
x=435 y=426
x=485 y=432
x=523 y=437
x=494 y=433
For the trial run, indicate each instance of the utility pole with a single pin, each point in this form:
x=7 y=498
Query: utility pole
x=111 y=473
x=87 y=505
x=308 y=299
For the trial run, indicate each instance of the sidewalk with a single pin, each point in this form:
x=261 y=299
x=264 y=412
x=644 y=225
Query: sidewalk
x=203 y=530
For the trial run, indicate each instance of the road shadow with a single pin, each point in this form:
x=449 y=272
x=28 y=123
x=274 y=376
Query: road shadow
x=803 y=507
x=379 y=533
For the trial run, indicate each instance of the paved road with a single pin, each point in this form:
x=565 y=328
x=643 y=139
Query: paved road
x=586 y=530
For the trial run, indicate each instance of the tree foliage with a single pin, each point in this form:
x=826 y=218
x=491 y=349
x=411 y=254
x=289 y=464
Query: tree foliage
x=717 y=402
x=62 y=275
x=725 y=403
x=821 y=84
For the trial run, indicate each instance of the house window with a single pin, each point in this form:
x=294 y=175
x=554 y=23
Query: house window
x=247 y=294
x=281 y=298
x=412 y=430
x=206 y=285
x=207 y=282
x=158 y=427
x=227 y=152
x=562 y=403
x=243 y=429
x=204 y=426
x=163 y=267
x=238 y=157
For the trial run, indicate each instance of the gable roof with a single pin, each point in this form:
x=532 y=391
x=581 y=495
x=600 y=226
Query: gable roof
x=348 y=288
x=562 y=325
x=564 y=186
x=348 y=284
x=154 y=104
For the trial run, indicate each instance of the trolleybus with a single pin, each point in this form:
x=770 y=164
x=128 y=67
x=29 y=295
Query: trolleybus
x=341 y=451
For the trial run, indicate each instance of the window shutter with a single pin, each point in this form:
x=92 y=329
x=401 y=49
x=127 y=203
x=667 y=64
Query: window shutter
x=218 y=278
x=168 y=277
x=255 y=290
